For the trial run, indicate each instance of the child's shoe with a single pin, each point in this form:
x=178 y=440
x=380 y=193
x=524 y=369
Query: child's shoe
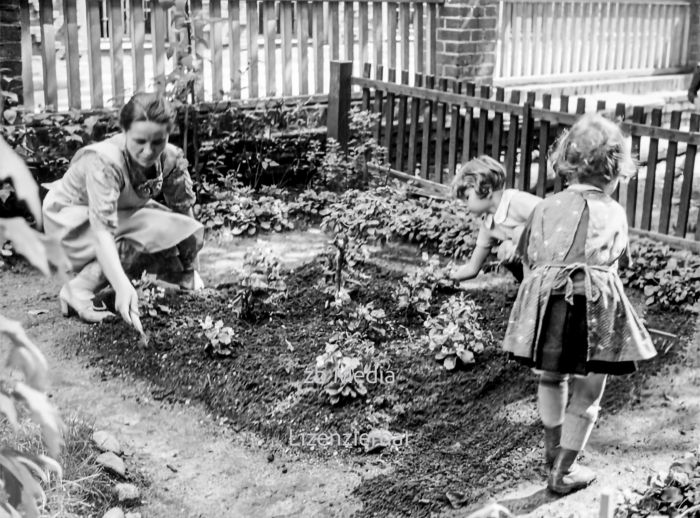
x=552 y=437
x=567 y=476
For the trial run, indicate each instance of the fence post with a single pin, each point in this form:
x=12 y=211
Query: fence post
x=339 y=98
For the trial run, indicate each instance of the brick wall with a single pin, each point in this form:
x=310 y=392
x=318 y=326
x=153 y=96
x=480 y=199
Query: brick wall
x=694 y=43
x=467 y=39
x=10 y=48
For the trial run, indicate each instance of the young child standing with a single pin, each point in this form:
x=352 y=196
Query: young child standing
x=571 y=317
x=504 y=212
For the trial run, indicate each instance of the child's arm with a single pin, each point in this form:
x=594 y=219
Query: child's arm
x=472 y=268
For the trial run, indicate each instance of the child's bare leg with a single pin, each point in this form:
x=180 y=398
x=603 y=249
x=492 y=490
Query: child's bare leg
x=581 y=416
x=552 y=393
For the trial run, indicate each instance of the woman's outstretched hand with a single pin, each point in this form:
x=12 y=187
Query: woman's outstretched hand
x=127 y=304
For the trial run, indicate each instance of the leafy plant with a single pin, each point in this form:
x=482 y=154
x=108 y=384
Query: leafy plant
x=220 y=337
x=150 y=295
x=456 y=333
x=339 y=375
x=668 y=278
x=416 y=289
x=243 y=213
x=341 y=170
x=261 y=278
x=672 y=493
x=368 y=321
x=343 y=259
x=20 y=471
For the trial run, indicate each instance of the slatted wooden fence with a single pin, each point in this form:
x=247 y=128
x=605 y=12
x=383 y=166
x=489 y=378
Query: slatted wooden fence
x=255 y=48
x=542 y=40
x=431 y=128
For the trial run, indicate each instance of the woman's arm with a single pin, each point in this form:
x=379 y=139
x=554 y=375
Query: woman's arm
x=127 y=302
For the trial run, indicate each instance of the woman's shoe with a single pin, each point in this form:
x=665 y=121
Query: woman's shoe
x=567 y=476
x=76 y=297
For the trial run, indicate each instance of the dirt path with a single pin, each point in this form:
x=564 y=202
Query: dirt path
x=197 y=469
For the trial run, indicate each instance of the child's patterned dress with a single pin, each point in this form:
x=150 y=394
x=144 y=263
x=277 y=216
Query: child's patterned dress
x=571 y=314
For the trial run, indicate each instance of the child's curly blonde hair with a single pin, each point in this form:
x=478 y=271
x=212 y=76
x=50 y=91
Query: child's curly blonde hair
x=593 y=151
x=482 y=173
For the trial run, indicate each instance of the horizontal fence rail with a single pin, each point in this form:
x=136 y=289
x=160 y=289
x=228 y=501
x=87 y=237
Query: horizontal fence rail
x=432 y=127
x=541 y=40
x=91 y=53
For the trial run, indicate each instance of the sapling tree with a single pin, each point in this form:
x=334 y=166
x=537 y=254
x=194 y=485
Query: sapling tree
x=261 y=277
x=20 y=471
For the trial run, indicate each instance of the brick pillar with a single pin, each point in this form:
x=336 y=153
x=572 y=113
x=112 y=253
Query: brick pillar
x=10 y=47
x=694 y=36
x=467 y=39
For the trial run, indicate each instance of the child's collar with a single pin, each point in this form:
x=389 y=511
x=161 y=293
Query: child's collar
x=580 y=187
x=502 y=210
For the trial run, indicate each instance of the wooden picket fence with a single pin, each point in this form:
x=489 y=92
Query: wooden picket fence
x=545 y=40
x=431 y=128
x=254 y=48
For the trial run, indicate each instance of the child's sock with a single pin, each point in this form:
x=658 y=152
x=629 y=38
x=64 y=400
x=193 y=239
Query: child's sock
x=552 y=393
x=582 y=412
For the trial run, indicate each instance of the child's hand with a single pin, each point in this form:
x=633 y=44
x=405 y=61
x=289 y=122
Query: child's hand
x=507 y=252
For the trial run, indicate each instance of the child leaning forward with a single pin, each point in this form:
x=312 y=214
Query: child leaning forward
x=571 y=318
x=504 y=212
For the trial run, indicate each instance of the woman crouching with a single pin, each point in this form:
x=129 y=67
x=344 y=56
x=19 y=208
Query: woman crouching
x=104 y=214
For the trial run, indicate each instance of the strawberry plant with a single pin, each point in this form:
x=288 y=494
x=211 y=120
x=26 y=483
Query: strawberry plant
x=338 y=375
x=456 y=334
x=415 y=291
x=348 y=364
x=220 y=337
x=368 y=321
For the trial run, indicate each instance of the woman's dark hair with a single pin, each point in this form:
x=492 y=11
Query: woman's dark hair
x=145 y=106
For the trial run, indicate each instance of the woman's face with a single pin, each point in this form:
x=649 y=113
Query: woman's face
x=145 y=141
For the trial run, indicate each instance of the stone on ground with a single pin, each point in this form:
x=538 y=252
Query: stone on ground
x=114 y=512
x=106 y=442
x=127 y=493
x=112 y=463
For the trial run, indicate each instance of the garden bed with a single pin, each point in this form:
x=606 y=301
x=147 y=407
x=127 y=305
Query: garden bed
x=469 y=432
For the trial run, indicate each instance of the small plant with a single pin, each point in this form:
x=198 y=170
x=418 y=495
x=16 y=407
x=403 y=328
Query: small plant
x=220 y=337
x=338 y=374
x=342 y=267
x=368 y=321
x=261 y=278
x=455 y=334
x=416 y=289
x=150 y=295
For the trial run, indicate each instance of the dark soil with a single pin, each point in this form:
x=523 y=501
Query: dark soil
x=462 y=434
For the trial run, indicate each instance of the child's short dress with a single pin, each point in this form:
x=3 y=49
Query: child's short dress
x=101 y=189
x=571 y=315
